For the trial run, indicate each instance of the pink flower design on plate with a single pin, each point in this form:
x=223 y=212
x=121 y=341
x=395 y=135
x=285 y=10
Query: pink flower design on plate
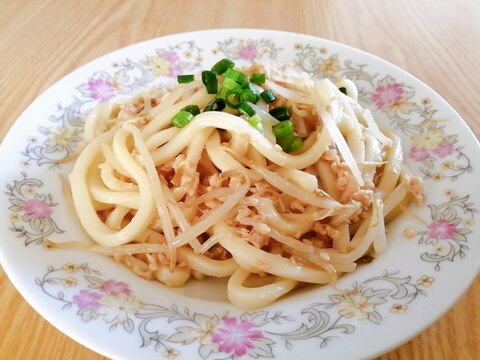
x=236 y=336
x=37 y=209
x=248 y=53
x=87 y=299
x=171 y=56
x=418 y=154
x=443 y=150
x=388 y=95
x=102 y=90
x=175 y=70
x=115 y=288
x=442 y=229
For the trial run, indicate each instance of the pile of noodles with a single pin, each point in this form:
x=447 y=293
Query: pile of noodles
x=219 y=198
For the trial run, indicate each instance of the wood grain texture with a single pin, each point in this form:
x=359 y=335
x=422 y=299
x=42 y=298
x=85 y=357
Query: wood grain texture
x=438 y=41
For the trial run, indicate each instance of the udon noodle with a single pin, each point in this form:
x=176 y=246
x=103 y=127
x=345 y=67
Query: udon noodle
x=220 y=197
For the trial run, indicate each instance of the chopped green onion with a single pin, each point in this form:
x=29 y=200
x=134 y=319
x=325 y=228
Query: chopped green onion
x=209 y=79
x=296 y=144
x=246 y=109
x=217 y=104
x=239 y=77
x=250 y=93
x=185 y=79
x=343 y=90
x=281 y=113
x=256 y=122
x=284 y=134
x=192 y=109
x=233 y=97
x=285 y=143
x=222 y=66
x=228 y=84
x=250 y=96
x=250 y=86
x=283 y=130
x=257 y=78
x=268 y=96
x=181 y=119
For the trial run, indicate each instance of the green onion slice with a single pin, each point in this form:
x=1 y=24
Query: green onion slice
x=281 y=113
x=239 y=77
x=209 y=79
x=268 y=96
x=181 y=119
x=246 y=109
x=228 y=84
x=250 y=96
x=217 y=104
x=283 y=130
x=258 y=78
x=296 y=144
x=285 y=143
x=185 y=79
x=192 y=109
x=222 y=66
x=256 y=122
x=233 y=97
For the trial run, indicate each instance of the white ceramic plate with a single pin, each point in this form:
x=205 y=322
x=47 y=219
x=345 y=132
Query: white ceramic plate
x=103 y=306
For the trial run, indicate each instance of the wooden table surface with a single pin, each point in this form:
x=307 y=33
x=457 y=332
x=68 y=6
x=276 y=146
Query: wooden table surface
x=42 y=40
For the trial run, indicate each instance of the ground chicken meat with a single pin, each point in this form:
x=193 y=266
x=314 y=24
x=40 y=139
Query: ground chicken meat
x=345 y=182
x=415 y=186
x=218 y=252
x=364 y=197
x=297 y=206
x=130 y=109
x=249 y=225
x=325 y=229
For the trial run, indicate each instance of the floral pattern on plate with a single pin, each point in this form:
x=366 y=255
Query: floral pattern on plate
x=61 y=139
x=438 y=154
x=446 y=234
x=248 y=50
x=256 y=334
x=30 y=210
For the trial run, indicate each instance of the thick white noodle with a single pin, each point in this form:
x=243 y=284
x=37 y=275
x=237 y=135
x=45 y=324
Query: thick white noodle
x=172 y=202
x=87 y=214
x=250 y=298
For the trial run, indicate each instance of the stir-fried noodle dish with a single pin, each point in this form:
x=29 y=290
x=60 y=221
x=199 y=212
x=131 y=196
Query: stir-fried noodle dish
x=265 y=176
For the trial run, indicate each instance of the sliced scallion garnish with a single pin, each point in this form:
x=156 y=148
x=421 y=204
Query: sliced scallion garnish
x=246 y=109
x=222 y=66
x=268 y=96
x=233 y=97
x=250 y=96
x=209 y=79
x=283 y=129
x=192 y=109
x=217 y=104
x=181 y=119
x=296 y=144
x=256 y=122
x=185 y=79
x=281 y=113
x=238 y=76
x=228 y=84
x=251 y=92
x=258 y=78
